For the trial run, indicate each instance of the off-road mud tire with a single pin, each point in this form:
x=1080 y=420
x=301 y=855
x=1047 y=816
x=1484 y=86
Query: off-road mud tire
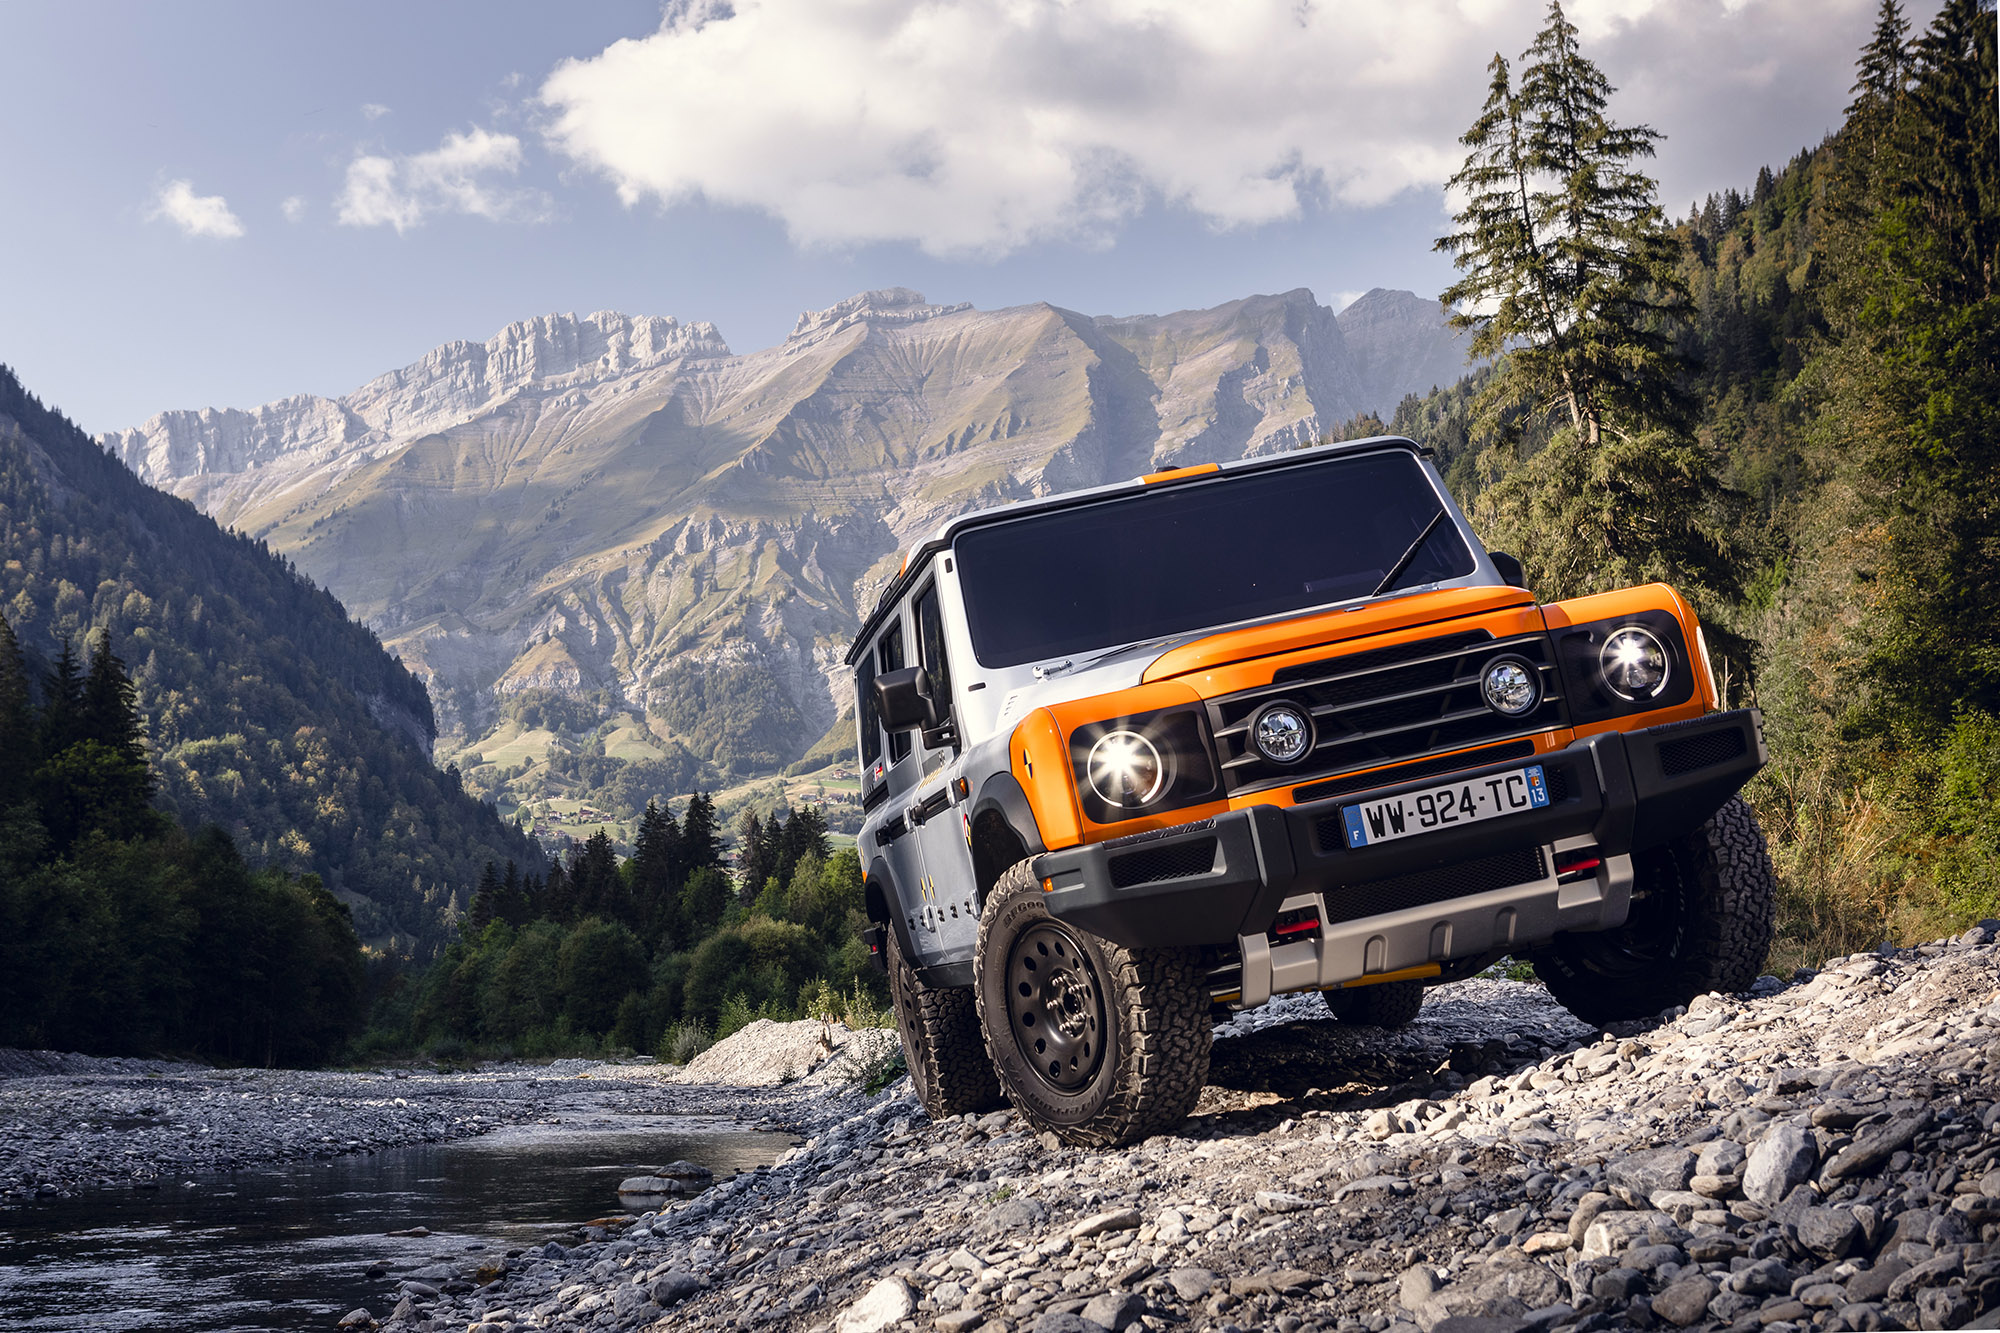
x=1387 y=1004
x=941 y=1043
x=1703 y=914
x=1148 y=1006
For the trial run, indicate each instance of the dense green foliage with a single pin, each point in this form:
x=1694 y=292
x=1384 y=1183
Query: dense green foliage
x=120 y=933
x=1833 y=498
x=656 y=953
x=736 y=715
x=269 y=712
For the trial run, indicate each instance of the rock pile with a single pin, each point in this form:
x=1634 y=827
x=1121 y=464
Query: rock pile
x=1822 y=1155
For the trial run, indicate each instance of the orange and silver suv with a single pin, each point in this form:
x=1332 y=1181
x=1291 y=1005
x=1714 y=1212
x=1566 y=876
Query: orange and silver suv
x=1142 y=754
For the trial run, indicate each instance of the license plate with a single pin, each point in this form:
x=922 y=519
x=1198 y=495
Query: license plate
x=1447 y=805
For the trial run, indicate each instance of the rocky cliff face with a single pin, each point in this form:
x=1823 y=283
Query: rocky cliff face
x=1401 y=345
x=579 y=504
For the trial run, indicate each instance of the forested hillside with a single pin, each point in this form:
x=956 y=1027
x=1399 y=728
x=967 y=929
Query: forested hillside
x=1799 y=422
x=267 y=711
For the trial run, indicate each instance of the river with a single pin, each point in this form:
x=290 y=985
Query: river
x=289 y=1247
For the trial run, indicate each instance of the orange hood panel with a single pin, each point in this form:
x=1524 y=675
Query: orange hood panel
x=1241 y=645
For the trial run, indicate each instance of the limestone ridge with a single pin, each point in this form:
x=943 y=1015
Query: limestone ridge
x=450 y=384
x=1401 y=345
x=586 y=505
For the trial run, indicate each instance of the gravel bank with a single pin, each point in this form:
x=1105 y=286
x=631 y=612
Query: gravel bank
x=71 y=1122
x=1821 y=1155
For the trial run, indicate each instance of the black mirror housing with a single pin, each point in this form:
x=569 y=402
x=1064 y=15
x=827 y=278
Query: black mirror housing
x=904 y=698
x=1509 y=568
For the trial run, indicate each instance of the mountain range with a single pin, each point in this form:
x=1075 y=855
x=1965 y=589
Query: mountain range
x=621 y=510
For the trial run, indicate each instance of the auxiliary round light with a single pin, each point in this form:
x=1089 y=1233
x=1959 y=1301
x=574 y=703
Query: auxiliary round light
x=1126 y=769
x=1282 y=733
x=1634 y=663
x=1512 y=687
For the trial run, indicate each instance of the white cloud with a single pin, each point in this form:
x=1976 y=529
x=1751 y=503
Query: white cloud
x=195 y=214
x=402 y=191
x=982 y=126
x=294 y=208
x=373 y=110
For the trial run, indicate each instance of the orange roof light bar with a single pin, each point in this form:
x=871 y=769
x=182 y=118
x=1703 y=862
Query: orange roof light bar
x=1176 y=473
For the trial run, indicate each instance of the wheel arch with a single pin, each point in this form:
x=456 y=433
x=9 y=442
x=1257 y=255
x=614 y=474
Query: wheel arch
x=1003 y=832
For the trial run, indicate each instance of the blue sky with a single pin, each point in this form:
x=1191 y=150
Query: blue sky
x=219 y=204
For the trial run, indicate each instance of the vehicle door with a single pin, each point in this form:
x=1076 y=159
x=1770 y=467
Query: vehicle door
x=938 y=808
x=895 y=769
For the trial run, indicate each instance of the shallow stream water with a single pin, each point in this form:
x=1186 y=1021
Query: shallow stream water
x=288 y=1247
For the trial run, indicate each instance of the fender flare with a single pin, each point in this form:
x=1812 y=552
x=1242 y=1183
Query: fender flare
x=1002 y=806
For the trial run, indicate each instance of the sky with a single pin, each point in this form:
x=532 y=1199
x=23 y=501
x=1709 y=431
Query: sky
x=218 y=204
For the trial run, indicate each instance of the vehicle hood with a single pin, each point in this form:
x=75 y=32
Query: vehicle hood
x=1327 y=627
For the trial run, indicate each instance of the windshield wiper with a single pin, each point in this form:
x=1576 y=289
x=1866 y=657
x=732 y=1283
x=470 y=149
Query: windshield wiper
x=1403 y=562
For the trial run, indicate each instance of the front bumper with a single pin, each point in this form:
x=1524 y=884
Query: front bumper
x=1453 y=893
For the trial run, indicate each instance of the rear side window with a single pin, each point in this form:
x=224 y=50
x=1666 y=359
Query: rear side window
x=870 y=724
x=889 y=657
x=930 y=647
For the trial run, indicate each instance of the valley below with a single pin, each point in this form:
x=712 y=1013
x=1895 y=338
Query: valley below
x=1815 y=1154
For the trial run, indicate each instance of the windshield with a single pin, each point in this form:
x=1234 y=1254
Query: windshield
x=1178 y=558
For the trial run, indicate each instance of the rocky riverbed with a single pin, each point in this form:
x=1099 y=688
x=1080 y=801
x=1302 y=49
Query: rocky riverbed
x=71 y=1123
x=1820 y=1154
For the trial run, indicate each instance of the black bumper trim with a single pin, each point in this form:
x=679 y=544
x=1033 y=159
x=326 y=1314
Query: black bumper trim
x=1614 y=788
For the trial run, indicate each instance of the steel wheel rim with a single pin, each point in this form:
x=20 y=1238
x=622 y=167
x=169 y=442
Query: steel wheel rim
x=1055 y=1006
x=1651 y=935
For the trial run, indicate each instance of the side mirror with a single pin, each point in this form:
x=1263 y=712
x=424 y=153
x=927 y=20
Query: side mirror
x=904 y=698
x=1509 y=568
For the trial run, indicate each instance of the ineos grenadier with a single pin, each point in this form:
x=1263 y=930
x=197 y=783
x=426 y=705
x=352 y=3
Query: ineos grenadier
x=1143 y=754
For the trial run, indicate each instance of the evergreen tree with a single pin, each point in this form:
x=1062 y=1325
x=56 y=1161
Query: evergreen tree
x=1566 y=257
x=110 y=705
x=1913 y=382
x=753 y=863
x=699 y=842
x=62 y=703
x=17 y=722
x=513 y=897
x=655 y=883
x=485 y=903
x=1882 y=72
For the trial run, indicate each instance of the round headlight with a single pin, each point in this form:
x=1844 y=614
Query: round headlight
x=1634 y=663
x=1282 y=733
x=1512 y=687
x=1126 y=769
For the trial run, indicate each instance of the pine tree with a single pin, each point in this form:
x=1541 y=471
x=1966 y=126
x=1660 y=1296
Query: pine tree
x=513 y=897
x=1914 y=379
x=753 y=863
x=1882 y=73
x=699 y=842
x=653 y=872
x=62 y=703
x=1570 y=279
x=110 y=705
x=485 y=903
x=17 y=722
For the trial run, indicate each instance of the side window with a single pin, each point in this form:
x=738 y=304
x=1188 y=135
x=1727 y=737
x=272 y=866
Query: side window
x=870 y=723
x=930 y=647
x=889 y=657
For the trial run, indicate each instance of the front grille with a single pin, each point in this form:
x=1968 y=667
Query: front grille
x=1154 y=864
x=1716 y=747
x=1423 y=768
x=1430 y=886
x=1385 y=706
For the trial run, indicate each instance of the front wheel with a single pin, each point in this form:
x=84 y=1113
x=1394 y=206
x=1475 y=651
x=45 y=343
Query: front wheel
x=941 y=1044
x=1704 y=909
x=1101 y=1044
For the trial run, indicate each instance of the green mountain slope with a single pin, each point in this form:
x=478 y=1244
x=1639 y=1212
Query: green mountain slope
x=269 y=711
